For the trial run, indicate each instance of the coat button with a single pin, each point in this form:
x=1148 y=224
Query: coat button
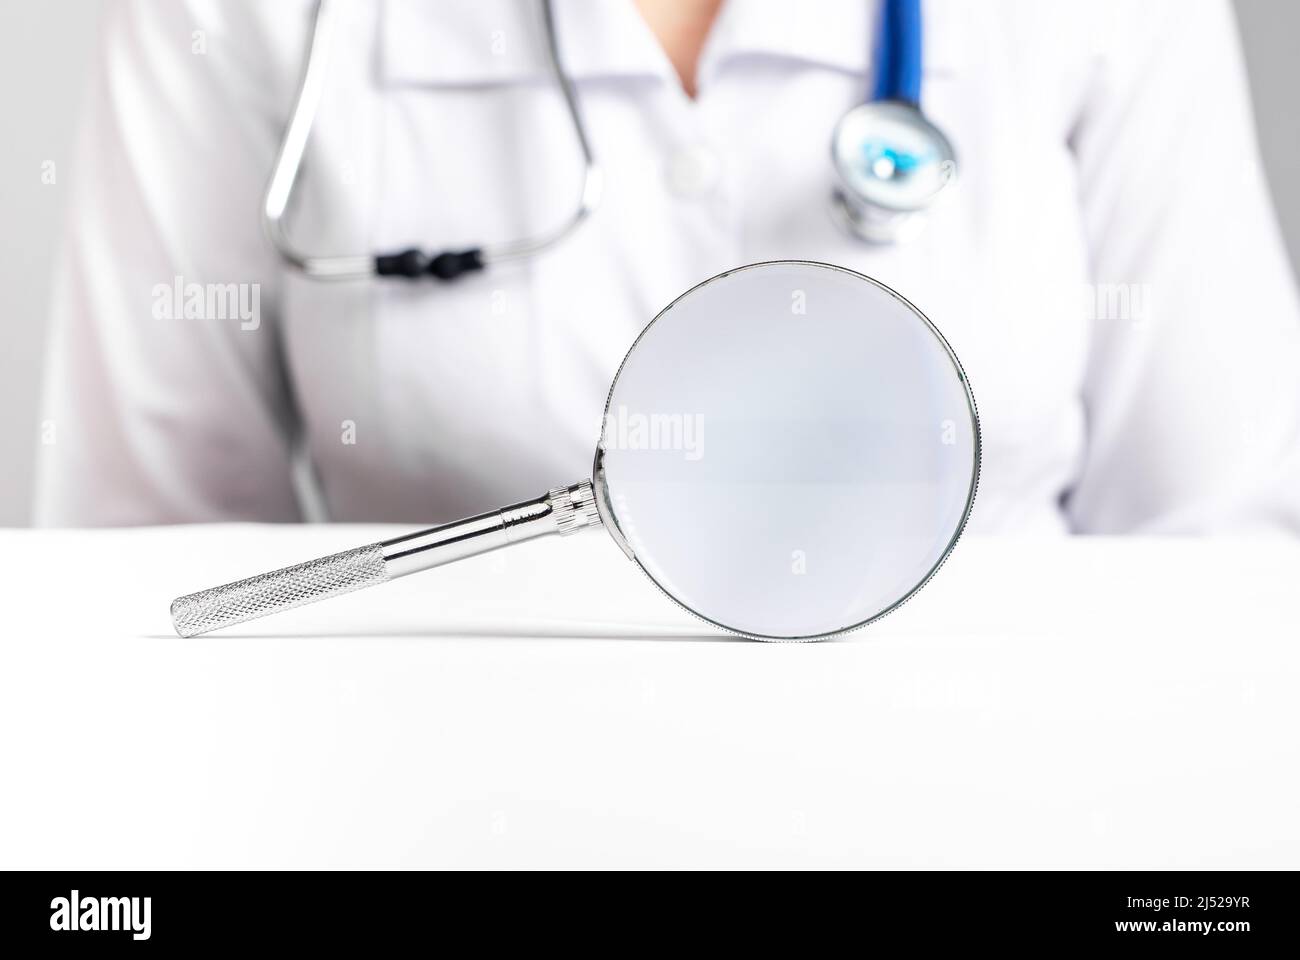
x=693 y=171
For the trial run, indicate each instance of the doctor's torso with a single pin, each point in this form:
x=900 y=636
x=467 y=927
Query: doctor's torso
x=439 y=127
x=1106 y=266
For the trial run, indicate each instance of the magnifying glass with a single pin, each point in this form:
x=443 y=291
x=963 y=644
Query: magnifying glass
x=789 y=450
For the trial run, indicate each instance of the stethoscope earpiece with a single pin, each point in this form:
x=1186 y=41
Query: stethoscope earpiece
x=414 y=264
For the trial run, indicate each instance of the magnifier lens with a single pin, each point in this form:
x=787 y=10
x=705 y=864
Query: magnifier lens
x=789 y=450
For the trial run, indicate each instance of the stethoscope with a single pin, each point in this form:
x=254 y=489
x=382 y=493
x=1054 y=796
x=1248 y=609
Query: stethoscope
x=890 y=161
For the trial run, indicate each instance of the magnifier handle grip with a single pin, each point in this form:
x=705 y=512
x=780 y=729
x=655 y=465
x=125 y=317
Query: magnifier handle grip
x=282 y=589
x=563 y=510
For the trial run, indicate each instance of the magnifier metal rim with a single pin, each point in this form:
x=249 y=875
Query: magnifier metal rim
x=610 y=520
x=948 y=155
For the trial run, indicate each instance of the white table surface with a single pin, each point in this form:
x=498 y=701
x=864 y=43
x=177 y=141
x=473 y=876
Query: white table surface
x=1072 y=703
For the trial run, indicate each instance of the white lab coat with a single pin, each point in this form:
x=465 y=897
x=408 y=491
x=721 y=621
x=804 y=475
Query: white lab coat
x=1107 y=154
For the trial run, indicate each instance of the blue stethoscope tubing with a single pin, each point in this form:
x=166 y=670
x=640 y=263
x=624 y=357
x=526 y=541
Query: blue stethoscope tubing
x=898 y=52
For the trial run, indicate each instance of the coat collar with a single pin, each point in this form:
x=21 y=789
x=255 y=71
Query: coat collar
x=488 y=42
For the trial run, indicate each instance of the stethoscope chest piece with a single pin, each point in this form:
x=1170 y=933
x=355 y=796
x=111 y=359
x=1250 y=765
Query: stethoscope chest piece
x=890 y=164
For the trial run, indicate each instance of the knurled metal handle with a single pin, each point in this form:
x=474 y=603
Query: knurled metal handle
x=563 y=510
x=279 y=590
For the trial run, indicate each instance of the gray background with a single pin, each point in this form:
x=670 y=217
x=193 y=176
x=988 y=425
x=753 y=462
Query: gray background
x=45 y=46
